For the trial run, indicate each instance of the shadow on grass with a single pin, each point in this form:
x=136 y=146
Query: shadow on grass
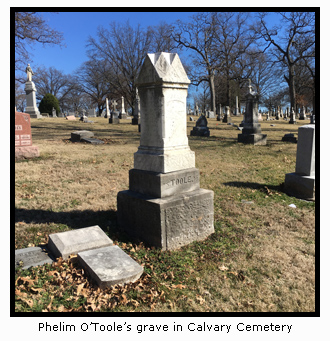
x=107 y=220
x=255 y=185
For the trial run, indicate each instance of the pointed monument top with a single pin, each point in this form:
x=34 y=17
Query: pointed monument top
x=162 y=67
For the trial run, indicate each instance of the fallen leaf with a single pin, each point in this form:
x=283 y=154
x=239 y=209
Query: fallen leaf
x=223 y=268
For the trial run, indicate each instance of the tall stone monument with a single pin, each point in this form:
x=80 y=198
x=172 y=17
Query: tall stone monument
x=107 y=112
x=302 y=183
x=122 y=114
x=251 y=132
x=30 y=91
x=164 y=206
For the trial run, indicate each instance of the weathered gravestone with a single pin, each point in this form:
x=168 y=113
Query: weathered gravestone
x=23 y=137
x=32 y=256
x=210 y=114
x=201 y=128
x=302 y=183
x=164 y=206
x=91 y=113
x=114 y=118
x=76 y=136
x=109 y=266
x=251 y=133
x=226 y=117
x=63 y=244
x=292 y=117
x=289 y=138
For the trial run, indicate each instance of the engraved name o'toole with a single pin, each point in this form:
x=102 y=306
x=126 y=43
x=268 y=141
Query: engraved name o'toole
x=181 y=181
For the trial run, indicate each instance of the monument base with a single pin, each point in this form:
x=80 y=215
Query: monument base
x=114 y=120
x=256 y=139
x=33 y=112
x=200 y=131
x=26 y=152
x=292 y=122
x=135 y=120
x=167 y=223
x=123 y=116
x=300 y=186
x=226 y=119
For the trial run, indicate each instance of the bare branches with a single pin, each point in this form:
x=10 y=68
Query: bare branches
x=30 y=29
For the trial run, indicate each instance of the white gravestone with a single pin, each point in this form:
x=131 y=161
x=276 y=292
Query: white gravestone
x=163 y=86
x=302 y=183
x=164 y=206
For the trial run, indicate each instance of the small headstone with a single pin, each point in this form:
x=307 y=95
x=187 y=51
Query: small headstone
x=109 y=266
x=201 y=128
x=71 y=118
x=210 y=114
x=23 y=137
x=31 y=256
x=64 y=244
x=289 y=138
x=190 y=118
x=76 y=136
x=302 y=183
x=227 y=118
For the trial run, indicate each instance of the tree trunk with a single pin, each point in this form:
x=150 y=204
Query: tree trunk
x=212 y=91
x=292 y=87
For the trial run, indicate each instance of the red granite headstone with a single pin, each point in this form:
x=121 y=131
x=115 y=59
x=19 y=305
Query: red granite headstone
x=23 y=136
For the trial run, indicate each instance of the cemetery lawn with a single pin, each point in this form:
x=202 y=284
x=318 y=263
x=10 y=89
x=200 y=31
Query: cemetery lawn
x=261 y=257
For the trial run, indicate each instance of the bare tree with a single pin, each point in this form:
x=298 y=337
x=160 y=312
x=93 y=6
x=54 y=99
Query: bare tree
x=197 y=36
x=289 y=43
x=30 y=28
x=233 y=40
x=124 y=48
x=92 y=78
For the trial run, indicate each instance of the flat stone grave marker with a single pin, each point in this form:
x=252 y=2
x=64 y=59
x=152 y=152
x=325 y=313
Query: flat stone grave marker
x=91 y=140
x=109 y=266
x=76 y=136
x=31 y=256
x=64 y=244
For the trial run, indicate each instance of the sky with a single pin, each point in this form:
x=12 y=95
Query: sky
x=78 y=26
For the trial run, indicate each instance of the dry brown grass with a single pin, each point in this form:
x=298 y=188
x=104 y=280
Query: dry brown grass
x=271 y=266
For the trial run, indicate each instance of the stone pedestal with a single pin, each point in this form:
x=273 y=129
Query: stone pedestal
x=164 y=206
x=302 y=183
x=31 y=103
x=251 y=132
